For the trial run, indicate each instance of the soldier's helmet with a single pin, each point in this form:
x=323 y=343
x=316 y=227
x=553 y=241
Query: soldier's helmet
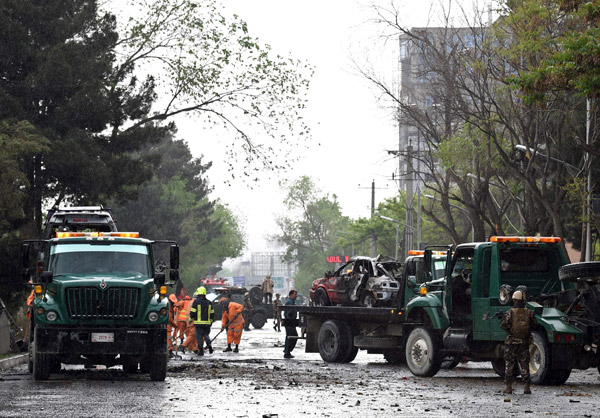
x=518 y=295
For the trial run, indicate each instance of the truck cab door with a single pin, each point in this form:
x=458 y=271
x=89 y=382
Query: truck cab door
x=481 y=301
x=458 y=299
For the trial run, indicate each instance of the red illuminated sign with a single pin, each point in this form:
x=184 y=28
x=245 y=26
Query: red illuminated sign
x=338 y=258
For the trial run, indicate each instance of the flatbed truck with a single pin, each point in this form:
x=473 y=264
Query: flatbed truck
x=458 y=317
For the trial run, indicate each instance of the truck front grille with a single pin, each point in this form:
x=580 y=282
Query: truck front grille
x=112 y=303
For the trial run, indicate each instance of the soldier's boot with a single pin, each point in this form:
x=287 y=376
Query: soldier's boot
x=210 y=349
x=507 y=388
x=527 y=389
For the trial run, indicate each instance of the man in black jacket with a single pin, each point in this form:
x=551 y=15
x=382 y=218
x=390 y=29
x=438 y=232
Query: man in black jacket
x=202 y=313
x=290 y=321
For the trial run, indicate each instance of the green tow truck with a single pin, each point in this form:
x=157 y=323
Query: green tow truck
x=458 y=316
x=97 y=300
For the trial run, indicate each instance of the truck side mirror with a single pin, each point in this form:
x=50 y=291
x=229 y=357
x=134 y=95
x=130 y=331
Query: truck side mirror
x=174 y=259
x=173 y=276
x=47 y=277
x=427 y=261
x=25 y=261
x=159 y=280
x=421 y=272
x=411 y=281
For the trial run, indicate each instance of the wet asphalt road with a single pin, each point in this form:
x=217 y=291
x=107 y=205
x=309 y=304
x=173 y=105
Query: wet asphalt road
x=259 y=382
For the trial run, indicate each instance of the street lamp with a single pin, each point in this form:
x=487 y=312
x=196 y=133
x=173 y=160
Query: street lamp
x=467 y=214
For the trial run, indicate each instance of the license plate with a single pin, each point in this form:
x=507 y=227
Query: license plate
x=103 y=337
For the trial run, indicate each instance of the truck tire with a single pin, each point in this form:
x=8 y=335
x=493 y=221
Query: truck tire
x=500 y=368
x=130 y=365
x=158 y=367
x=351 y=350
x=256 y=295
x=423 y=355
x=539 y=359
x=586 y=270
x=395 y=356
x=258 y=320
x=333 y=342
x=449 y=364
x=30 y=361
x=41 y=364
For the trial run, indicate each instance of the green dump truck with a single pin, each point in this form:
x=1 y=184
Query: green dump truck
x=458 y=317
x=97 y=300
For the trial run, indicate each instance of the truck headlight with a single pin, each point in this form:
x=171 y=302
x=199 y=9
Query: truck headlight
x=153 y=316
x=51 y=316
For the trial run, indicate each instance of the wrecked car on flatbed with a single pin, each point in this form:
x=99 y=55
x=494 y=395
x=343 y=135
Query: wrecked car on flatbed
x=362 y=281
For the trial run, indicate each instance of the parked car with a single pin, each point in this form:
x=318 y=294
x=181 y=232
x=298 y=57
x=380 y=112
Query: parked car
x=362 y=281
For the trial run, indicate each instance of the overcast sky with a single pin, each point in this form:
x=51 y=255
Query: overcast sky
x=343 y=111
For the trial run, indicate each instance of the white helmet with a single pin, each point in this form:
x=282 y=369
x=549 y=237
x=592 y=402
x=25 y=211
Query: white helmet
x=518 y=295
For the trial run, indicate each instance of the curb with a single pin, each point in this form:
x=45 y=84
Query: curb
x=10 y=362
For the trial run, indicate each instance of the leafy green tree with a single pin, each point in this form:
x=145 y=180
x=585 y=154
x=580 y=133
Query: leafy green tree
x=18 y=141
x=310 y=230
x=209 y=65
x=57 y=72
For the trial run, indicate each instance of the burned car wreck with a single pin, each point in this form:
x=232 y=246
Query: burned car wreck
x=362 y=281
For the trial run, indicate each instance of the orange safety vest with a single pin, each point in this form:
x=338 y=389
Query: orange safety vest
x=184 y=312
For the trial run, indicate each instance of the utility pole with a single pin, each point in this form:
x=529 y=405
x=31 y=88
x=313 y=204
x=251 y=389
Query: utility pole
x=373 y=249
x=408 y=233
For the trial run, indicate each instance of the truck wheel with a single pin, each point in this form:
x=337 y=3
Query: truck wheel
x=351 y=350
x=30 y=362
x=570 y=272
x=423 y=356
x=41 y=364
x=500 y=368
x=321 y=298
x=449 y=364
x=258 y=320
x=558 y=376
x=130 y=365
x=158 y=367
x=395 y=356
x=539 y=359
x=333 y=342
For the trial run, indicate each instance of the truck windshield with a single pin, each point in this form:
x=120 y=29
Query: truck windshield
x=84 y=259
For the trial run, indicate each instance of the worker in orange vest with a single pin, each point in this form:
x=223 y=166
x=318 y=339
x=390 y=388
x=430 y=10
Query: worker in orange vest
x=171 y=325
x=190 y=343
x=183 y=317
x=233 y=320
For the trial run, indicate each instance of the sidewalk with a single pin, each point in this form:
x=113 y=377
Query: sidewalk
x=17 y=359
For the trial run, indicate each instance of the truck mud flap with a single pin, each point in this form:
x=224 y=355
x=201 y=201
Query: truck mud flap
x=562 y=356
x=364 y=341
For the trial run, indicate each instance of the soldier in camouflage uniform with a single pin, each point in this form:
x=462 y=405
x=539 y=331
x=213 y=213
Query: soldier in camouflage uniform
x=518 y=323
x=247 y=312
